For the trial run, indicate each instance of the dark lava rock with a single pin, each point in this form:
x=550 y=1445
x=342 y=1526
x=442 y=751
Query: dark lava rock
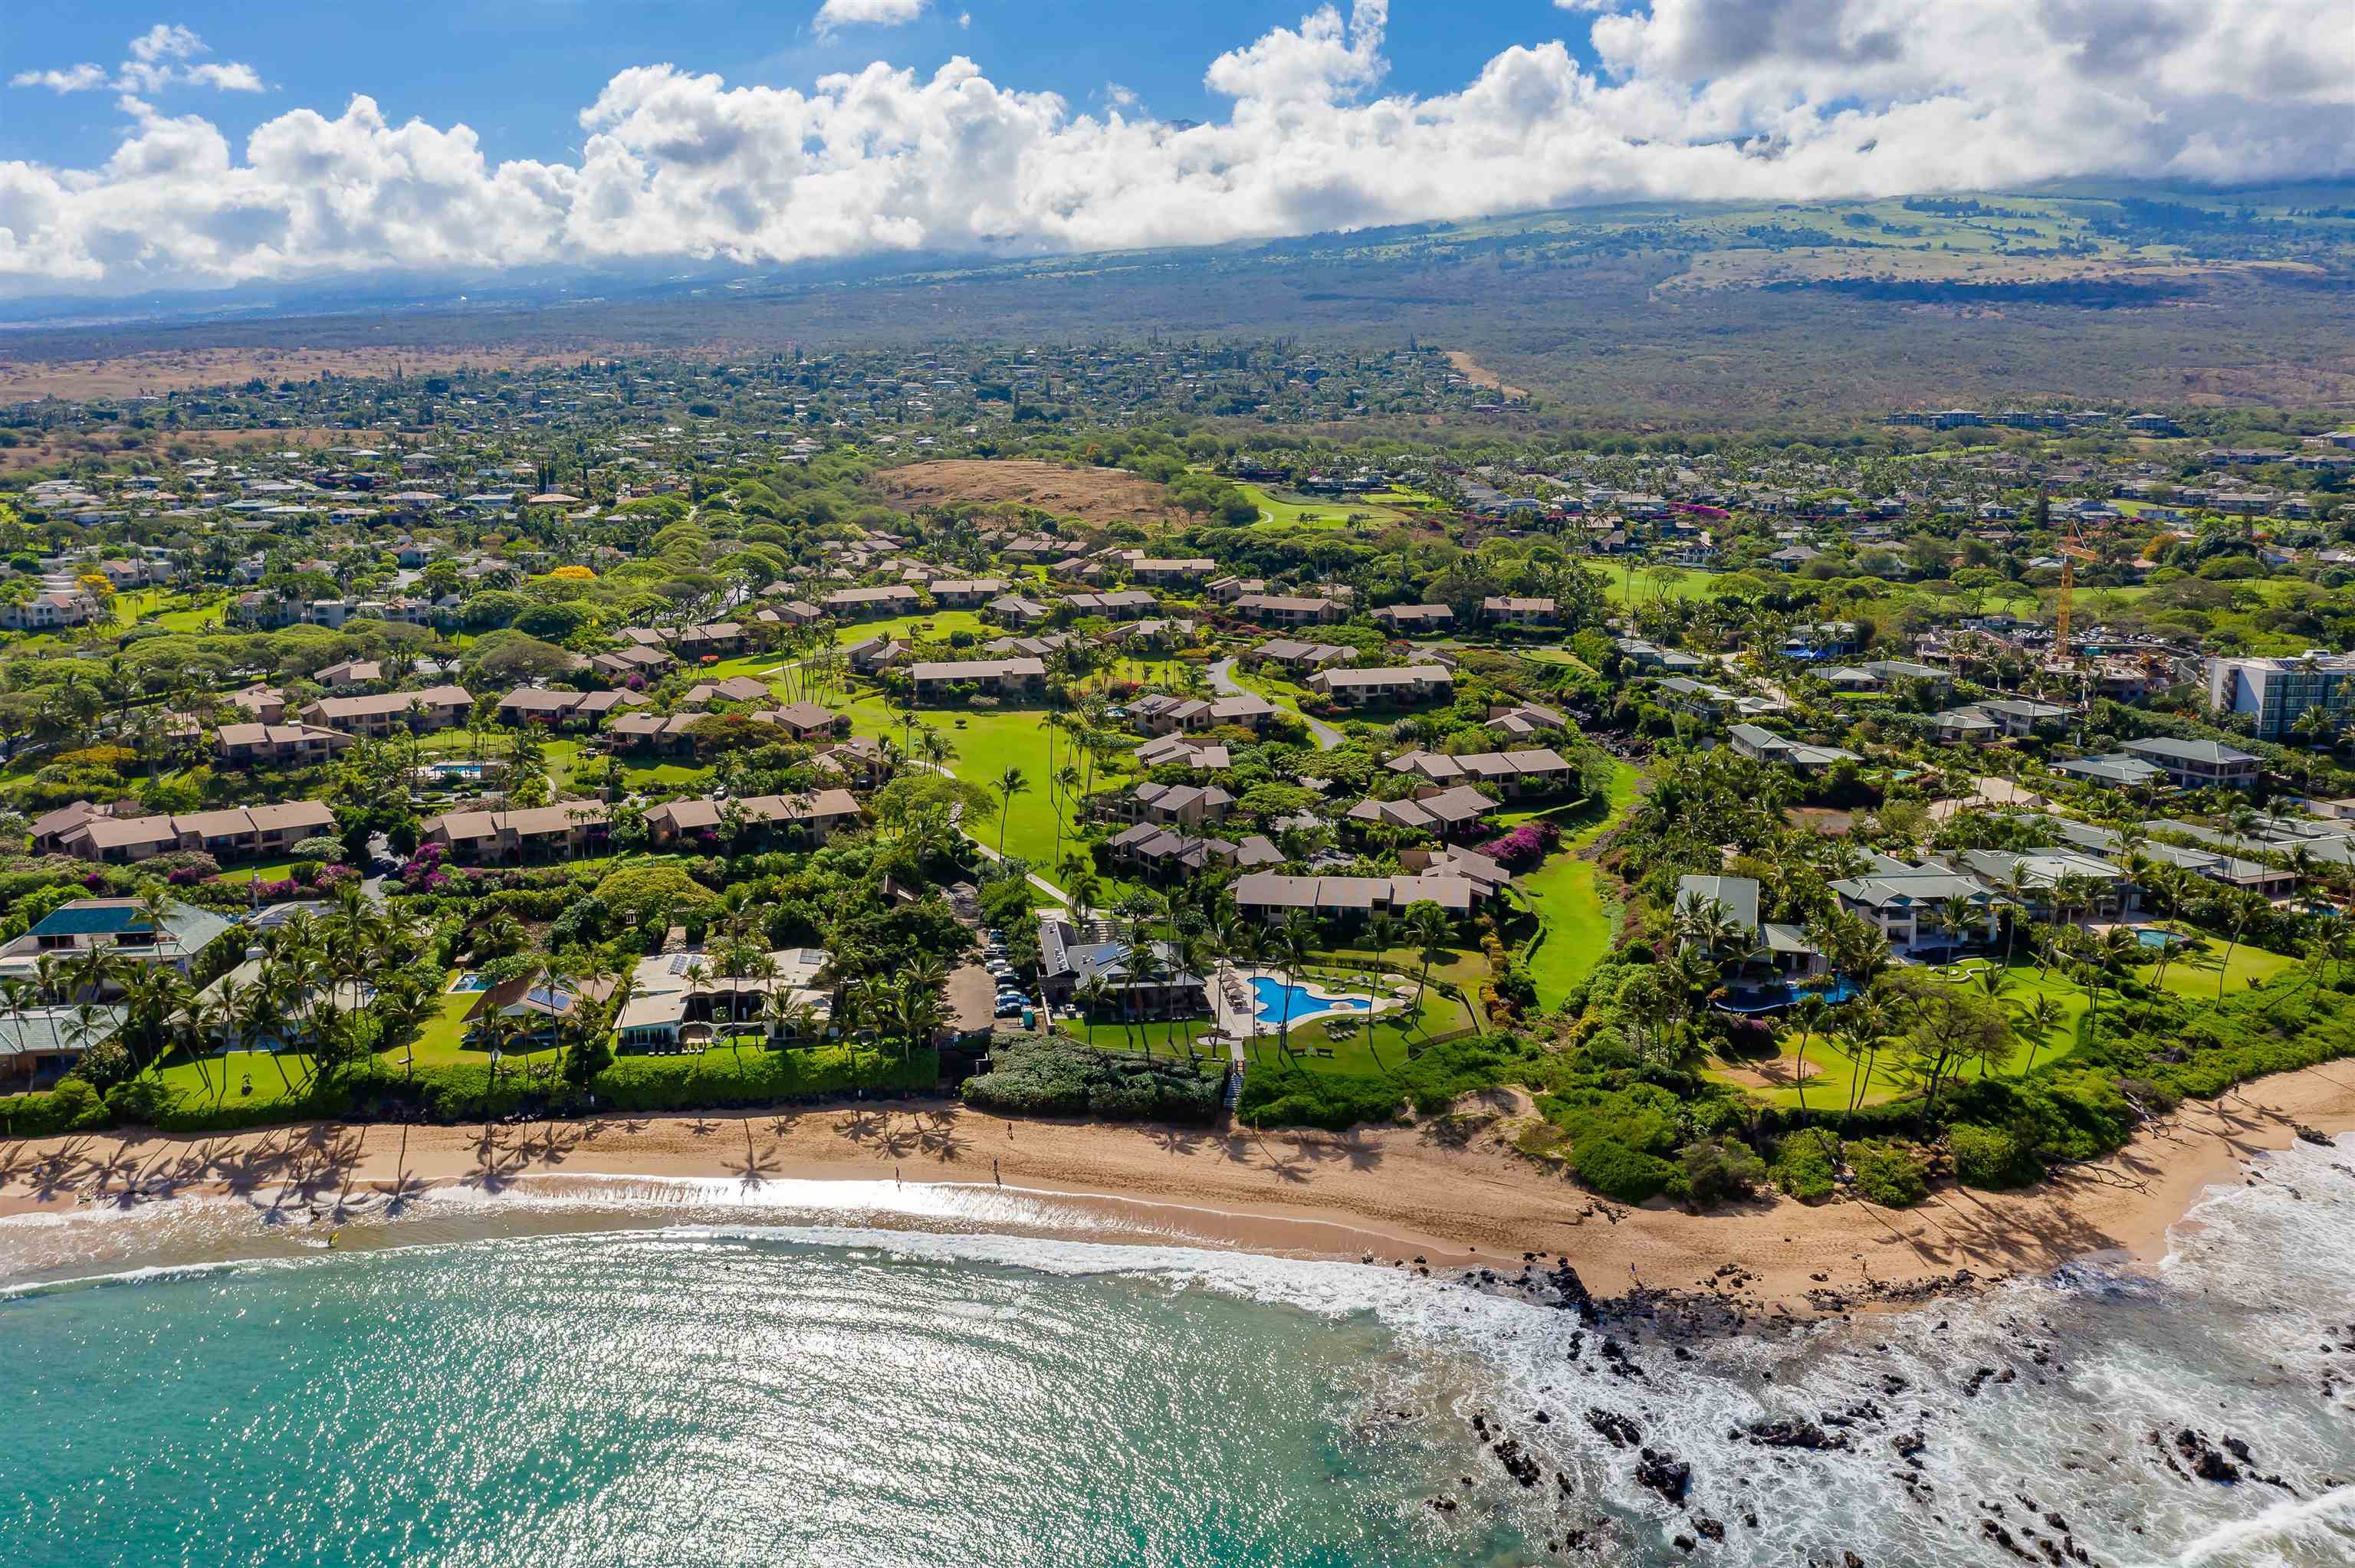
x=1517 y=1462
x=1665 y=1474
x=1709 y=1527
x=1787 y=1434
x=1622 y=1432
x=2200 y=1458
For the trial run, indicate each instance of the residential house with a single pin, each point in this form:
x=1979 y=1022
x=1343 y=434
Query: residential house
x=1764 y=746
x=1271 y=895
x=278 y=745
x=2197 y=764
x=814 y=817
x=120 y=929
x=804 y=721
x=864 y=603
x=1528 y=614
x=2116 y=771
x=1293 y=654
x=1911 y=905
x=239 y=833
x=1280 y=609
x=435 y=708
x=965 y=593
x=1417 y=620
x=1530 y=770
x=1126 y=605
x=1162 y=988
x=936 y=682
x=676 y=999
x=38 y=1046
x=1388 y=688
x=569 y=829
x=1442 y=812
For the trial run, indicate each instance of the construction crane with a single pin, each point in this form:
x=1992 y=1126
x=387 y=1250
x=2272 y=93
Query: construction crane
x=2070 y=552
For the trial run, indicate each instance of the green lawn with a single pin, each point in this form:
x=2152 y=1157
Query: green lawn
x=935 y=627
x=989 y=742
x=2196 y=974
x=1574 y=929
x=1275 y=512
x=228 y=1073
x=1395 y=1036
x=1632 y=582
x=268 y=870
x=1834 y=1079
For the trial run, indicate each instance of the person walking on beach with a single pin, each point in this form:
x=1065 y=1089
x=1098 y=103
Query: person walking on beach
x=994 y=1175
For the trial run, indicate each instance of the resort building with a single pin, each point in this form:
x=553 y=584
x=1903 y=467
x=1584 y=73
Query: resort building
x=675 y=1000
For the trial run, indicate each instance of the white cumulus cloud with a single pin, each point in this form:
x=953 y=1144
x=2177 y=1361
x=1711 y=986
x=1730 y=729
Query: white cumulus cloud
x=1748 y=100
x=158 y=60
x=838 y=14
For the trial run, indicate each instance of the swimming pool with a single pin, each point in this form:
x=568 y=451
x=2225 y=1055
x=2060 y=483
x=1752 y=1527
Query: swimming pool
x=1276 y=1001
x=464 y=983
x=2152 y=937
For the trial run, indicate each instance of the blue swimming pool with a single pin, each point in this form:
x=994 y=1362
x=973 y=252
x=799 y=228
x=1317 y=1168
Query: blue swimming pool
x=2152 y=937
x=469 y=982
x=1277 y=1001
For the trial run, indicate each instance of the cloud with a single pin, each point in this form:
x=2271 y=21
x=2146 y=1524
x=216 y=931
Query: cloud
x=72 y=79
x=1725 y=100
x=837 y=13
x=155 y=63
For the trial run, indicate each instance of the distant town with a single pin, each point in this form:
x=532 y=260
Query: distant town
x=1111 y=731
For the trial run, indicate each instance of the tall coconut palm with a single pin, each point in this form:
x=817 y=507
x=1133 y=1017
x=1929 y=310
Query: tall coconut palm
x=1010 y=783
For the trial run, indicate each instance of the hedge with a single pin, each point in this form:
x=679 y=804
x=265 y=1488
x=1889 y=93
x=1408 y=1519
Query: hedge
x=1049 y=1076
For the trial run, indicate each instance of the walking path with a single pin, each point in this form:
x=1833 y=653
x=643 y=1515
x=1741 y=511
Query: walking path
x=1222 y=679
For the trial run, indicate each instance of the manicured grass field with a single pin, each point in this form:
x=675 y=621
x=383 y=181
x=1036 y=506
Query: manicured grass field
x=1275 y=512
x=935 y=627
x=988 y=743
x=1575 y=928
x=1834 y=1080
x=2196 y=974
x=1632 y=583
x=227 y=1074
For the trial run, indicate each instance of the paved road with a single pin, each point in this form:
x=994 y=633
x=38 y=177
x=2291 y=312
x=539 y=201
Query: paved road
x=1222 y=679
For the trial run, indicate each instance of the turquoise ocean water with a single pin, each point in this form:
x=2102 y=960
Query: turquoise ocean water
x=589 y=1373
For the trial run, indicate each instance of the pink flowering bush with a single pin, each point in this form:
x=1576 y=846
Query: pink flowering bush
x=1524 y=846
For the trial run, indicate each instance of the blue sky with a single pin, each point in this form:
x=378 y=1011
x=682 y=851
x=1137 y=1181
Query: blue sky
x=221 y=145
x=520 y=71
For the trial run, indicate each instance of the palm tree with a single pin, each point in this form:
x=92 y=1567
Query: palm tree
x=1010 y=783
x=1809 y=1016
x=2035 y=1020
x=1296 y=942
x=1428 y=926
x=2243 y=907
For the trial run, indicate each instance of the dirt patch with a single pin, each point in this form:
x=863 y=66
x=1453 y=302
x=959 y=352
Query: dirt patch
x=1479 y=375
x=131 y=375
x=108 y=443
x=1783 y=1073
x=1090 y=495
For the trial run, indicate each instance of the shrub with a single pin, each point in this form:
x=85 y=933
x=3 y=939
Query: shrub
x=72 y=1106
x=1716 y=1168
x=1888 y=1173
x=1064 y=1077
x=141 y=1101
x=1627 y=1175
x=1806 y=1164
x=106 y=1063
x=1990 y=1157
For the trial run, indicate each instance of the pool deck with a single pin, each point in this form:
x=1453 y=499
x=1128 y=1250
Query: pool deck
x=1236 y=1008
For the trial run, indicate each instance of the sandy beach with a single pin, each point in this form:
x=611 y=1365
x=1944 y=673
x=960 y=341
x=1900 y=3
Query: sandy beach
x=1452 y=1194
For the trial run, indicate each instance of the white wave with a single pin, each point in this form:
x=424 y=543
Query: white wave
x=2283 y=1522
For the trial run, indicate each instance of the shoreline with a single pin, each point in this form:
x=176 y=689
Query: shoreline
x=1439 y=1195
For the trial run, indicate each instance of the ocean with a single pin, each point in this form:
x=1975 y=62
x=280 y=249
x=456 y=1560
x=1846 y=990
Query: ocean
x=590 y=1371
